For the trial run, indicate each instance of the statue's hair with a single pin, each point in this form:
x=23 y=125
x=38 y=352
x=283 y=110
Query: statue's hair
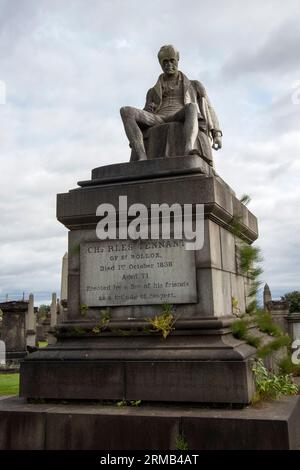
x=166 y=51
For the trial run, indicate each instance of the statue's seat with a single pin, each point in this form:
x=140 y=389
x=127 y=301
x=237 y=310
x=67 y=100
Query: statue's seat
x=167 y=140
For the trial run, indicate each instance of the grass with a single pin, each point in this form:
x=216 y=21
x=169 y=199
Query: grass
x=9 y=384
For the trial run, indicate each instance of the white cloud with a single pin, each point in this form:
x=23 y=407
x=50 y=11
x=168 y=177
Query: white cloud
x=69 y=66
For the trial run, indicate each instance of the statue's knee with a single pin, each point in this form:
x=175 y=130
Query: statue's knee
x=125 y=111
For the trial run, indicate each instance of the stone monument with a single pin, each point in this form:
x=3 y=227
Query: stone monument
x=279 y=309
x=107 y=347
x=13 y=331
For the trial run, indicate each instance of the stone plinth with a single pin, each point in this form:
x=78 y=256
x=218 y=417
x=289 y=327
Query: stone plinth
x=13 y=331
x=200 y=360
x=272 y=426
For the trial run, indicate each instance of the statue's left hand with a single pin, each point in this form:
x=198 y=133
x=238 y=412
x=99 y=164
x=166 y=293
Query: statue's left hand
x=217 y=142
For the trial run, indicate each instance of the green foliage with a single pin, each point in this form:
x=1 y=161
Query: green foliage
x=235 y=306
x=235 y=225
x=278 y=343
x=9 y=384
x=248 y=256
x=43 y=310
x=293 y=299
x=135 y=402
x=123 y=403
x=270 y=386
x=251 y=308
x=104 y=321
x=249 y=259
x=240 y=331
x=84 y=309
x=287 y=367
x=164 y=322
x=266 y=324
x=245 y=199
x=253 y=341
x=181 y=442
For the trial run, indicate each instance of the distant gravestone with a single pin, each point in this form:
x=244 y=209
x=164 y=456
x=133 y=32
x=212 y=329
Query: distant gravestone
x=293 y=320
x=14 y=328
x=2 y=353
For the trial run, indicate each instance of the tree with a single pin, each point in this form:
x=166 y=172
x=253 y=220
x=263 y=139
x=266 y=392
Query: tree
x=43 y=310
x=293 y=299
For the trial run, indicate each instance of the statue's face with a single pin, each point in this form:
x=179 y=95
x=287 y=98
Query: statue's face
x=169 y=65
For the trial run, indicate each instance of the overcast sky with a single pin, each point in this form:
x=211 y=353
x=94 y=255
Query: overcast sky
x=68 y=67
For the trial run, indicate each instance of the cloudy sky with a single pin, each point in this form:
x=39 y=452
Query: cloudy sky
x=68 y=66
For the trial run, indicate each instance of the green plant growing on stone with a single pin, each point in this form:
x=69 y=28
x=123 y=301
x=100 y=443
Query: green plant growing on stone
x=266 y=324
x=236 y=226
x=249 y=255
x=122 y=403
x=164 y=323
x=235 y=306
x=181 y=442
x=286 y=366
x=84 y=309
x=270 y=386
x=253 y=341
x=245 y=199
x=104 y=321
x=135 y=402
x=249 y=259
x=278 y=343
x=240 y=330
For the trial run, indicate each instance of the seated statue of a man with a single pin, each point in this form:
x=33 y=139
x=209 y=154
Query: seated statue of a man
x=175 y=98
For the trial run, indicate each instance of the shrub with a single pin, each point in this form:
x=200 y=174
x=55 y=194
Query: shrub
x=270 y=386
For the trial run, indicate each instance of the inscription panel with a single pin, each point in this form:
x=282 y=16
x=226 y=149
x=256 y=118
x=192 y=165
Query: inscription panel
x=142 y=272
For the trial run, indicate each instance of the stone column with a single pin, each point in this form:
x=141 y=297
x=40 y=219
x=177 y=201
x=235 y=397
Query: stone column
x=31 y=323
x=64 y=278
x=53 y=311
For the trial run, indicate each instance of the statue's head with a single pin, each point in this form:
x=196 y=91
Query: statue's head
x=168 y=58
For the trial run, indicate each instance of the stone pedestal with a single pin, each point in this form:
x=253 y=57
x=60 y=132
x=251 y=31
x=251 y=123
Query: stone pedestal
x=105 y=349
x=271 y=426
x=13 y=331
